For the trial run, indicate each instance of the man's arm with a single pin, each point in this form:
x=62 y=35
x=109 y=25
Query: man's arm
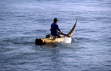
x=61 y=31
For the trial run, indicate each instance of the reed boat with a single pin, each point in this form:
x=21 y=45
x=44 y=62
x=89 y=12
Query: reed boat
x=53 y=40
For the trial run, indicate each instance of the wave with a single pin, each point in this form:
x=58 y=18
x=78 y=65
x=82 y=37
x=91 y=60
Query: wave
x=17 y=40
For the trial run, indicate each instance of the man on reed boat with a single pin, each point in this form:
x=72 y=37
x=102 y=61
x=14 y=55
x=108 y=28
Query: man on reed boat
x=55 y=31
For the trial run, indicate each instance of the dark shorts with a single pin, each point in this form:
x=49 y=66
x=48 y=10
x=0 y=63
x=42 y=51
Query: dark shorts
x=55 y=35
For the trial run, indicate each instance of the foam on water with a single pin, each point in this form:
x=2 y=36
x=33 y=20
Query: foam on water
x=67 y=40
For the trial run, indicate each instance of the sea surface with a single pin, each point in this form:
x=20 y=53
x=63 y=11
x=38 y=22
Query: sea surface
x=22 y=21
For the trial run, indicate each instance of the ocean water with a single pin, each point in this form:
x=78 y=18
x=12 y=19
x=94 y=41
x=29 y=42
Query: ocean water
x=22 y=21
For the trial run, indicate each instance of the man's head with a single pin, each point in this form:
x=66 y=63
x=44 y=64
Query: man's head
x=55 y=20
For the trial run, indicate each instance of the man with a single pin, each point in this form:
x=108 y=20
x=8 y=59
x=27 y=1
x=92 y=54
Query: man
x=55 y=31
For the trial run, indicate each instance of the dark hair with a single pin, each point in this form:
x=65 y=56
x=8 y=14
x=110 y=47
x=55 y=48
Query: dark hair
x=55 y=20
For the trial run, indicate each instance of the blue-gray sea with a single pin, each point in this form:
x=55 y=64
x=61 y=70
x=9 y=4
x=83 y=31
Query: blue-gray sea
x=22 y=21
